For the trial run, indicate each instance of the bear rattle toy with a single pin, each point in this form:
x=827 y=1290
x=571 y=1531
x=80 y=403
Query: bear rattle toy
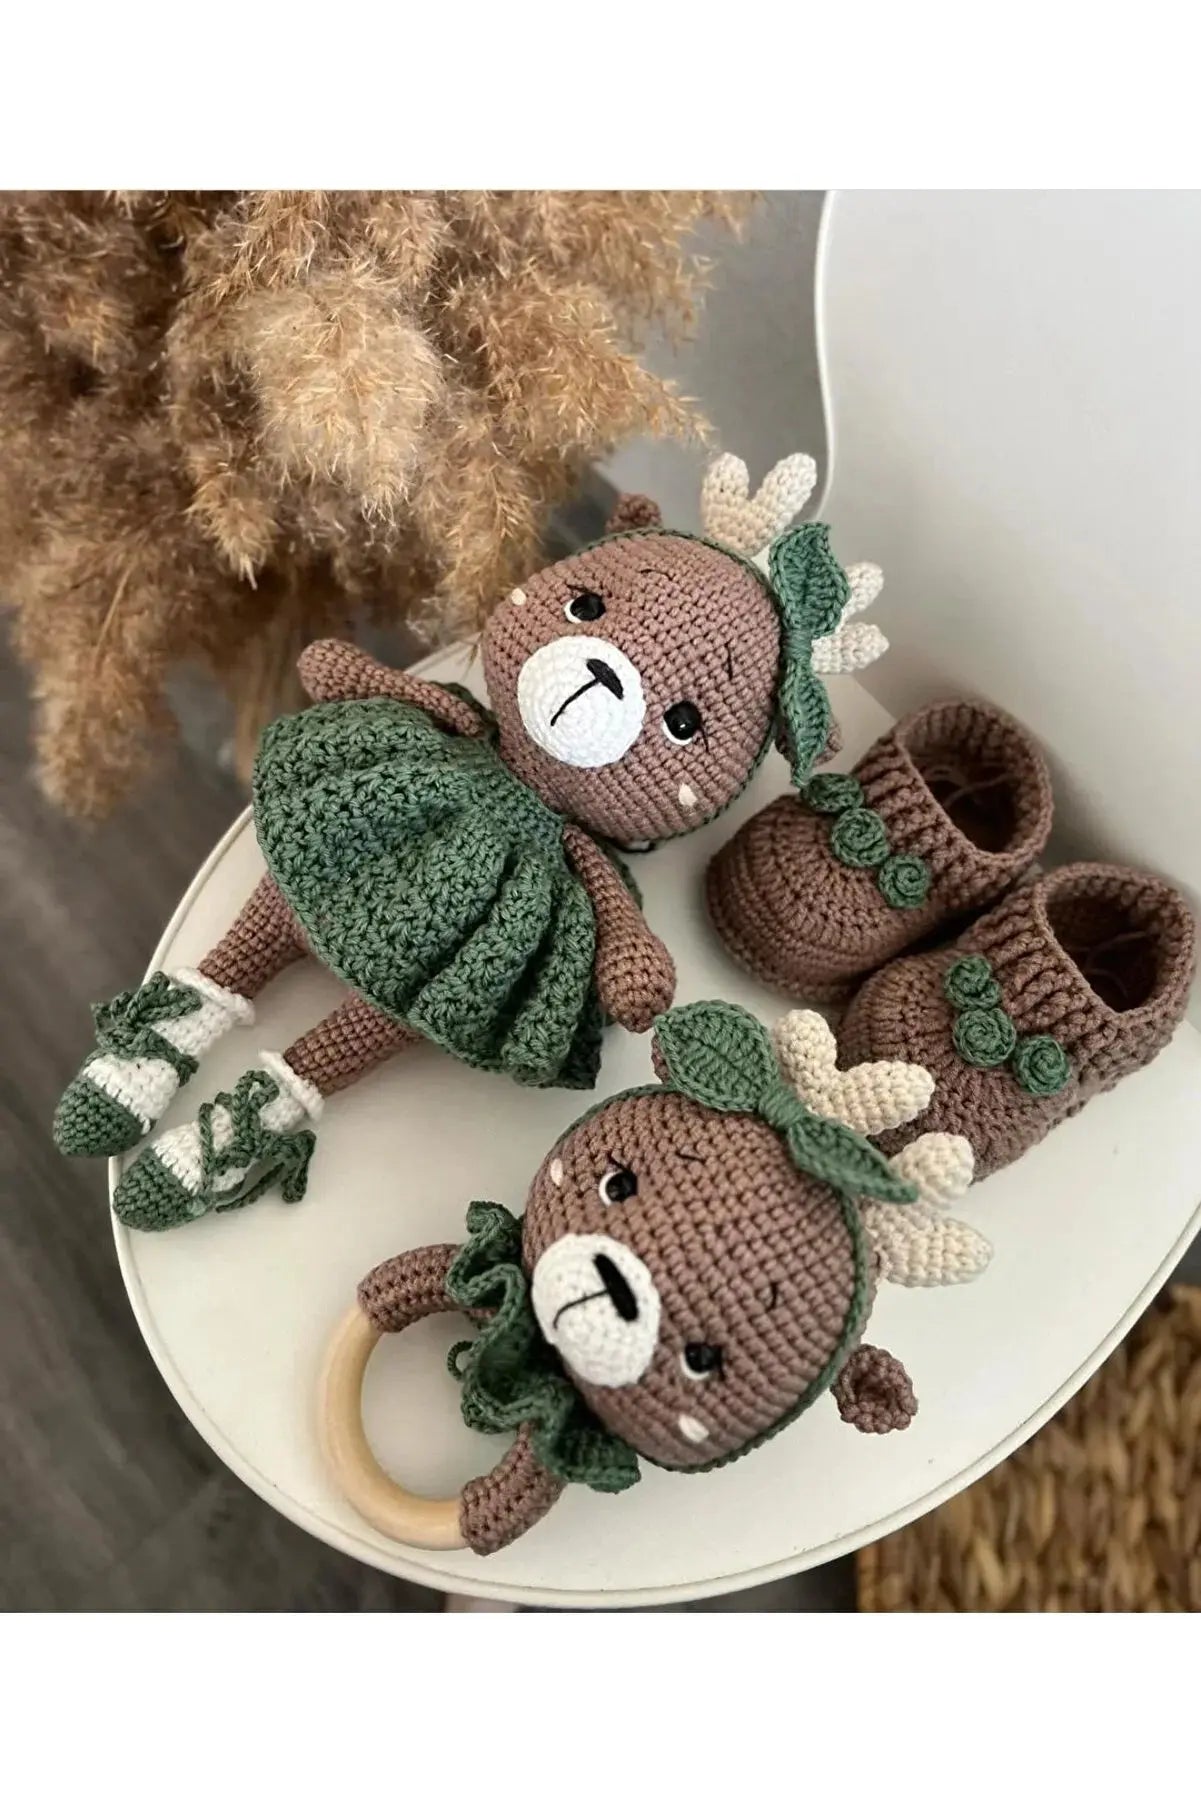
x=696 y=1265
x=455 y=867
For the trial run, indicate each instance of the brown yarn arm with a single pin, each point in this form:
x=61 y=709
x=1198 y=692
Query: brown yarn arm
x=333 y=670
x=497 y=1508
x=408 y=1287
x=635 y=976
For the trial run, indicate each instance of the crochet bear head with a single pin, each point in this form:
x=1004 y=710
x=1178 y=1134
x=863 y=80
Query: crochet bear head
x=696 y=1285
x=696 y=1253
x=637 y=684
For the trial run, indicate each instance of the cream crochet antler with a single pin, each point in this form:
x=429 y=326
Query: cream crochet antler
x=871 y=1098
x=731 y=515
x=854 y=643
x=920 y=1245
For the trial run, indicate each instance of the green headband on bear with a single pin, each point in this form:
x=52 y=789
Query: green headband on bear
x=718 y=1054
x=810 y=591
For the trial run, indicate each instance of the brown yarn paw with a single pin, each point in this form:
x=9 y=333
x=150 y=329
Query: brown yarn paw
x=636 y=988
x=873 y=1391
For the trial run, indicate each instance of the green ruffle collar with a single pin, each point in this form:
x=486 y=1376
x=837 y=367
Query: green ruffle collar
x=511 y=1377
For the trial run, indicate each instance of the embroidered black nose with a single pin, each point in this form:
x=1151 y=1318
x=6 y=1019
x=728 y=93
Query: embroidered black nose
x=616 y=1287
x=608 y=678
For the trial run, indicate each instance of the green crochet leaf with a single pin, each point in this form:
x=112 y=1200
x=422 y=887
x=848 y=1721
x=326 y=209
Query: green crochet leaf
x=811 y=591
x=809 y=580
x=854 y=1168
x=511 y=1377
x=717 y=1054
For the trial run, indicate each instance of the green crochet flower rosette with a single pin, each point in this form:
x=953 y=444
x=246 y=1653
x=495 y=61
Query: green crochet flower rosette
x=435 y=883
x=1041 y=1065
x=970 y=983
x=986 y=1037
x=859 y=839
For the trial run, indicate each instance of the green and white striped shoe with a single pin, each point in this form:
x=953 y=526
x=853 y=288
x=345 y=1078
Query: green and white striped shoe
x=149 y=1041
x=240 y=1145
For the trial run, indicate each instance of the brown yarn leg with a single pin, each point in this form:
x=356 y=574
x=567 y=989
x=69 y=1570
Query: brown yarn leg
x=262 y=940
x=346 y=1044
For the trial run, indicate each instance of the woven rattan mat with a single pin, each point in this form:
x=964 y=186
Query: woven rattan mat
x=1099 y=1513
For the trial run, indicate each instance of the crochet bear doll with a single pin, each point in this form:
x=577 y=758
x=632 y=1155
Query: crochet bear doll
x=695 y=1267
x=455 y=866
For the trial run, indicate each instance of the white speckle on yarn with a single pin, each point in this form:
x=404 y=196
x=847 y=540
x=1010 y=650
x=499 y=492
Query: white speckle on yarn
x=556 y=1173
x=518 y=597
x=687 y=795
x=694 y=1430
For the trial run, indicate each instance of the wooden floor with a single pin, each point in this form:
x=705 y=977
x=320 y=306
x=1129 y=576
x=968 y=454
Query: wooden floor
x=108 y=1499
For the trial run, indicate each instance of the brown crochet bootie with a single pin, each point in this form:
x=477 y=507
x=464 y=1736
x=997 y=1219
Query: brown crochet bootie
x=1065 y=987
x=940 y=817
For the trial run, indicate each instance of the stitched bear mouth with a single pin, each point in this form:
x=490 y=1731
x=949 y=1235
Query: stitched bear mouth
x=597 y=1303
x=601 y=673
x=581 y=701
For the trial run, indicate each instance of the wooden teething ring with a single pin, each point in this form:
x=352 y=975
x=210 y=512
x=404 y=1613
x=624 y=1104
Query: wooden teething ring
x=408 y=1518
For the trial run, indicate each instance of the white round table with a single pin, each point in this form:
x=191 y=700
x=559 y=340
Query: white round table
x=237 y=1310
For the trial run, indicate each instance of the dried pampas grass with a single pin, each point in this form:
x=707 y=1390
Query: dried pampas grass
x=232 y=421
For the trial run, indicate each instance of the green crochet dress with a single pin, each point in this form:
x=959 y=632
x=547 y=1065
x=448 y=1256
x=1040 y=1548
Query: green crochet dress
x=434 y=883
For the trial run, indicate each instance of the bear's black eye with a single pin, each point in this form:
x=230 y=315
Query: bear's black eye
x=584 y=609
x=682 y=722
x=700 y=1360
x=617 y=1184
